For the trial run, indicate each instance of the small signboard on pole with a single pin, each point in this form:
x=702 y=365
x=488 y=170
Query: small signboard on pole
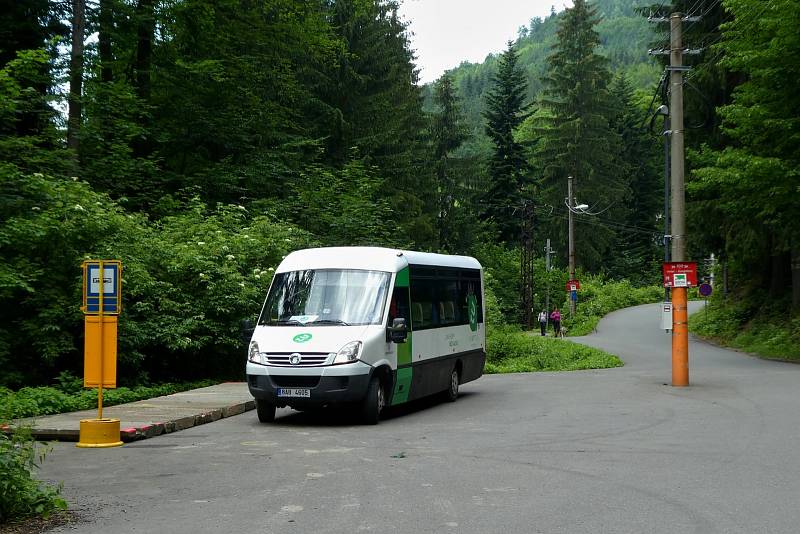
x=666 y=315
x=680 y=274
x=573 y=285
x=111 y=284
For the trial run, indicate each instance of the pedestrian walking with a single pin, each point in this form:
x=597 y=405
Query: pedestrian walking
x=543 y=321
x=555 y=316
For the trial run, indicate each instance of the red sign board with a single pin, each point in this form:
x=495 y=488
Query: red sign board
x=680 y=274
x=573 y=285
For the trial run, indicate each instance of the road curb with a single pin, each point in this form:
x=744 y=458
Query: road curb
x=136 y=433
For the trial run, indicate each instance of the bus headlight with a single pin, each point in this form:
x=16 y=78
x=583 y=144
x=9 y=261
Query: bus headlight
x=254 y=354
x=349 y=353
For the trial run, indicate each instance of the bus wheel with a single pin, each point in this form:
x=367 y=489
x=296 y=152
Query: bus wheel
x=373 y=402
x=452 y=390
x=265 y=411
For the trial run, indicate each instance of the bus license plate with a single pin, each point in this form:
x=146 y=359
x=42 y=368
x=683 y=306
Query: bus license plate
x=294 y=392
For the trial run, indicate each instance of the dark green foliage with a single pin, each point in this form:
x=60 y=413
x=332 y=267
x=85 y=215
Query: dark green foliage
x=638 y=246
x=24 y=143
x=371 y=108
x=751 y=186
x=453 y=187
x=347 y=206
x=501 y=266
x=505 y=111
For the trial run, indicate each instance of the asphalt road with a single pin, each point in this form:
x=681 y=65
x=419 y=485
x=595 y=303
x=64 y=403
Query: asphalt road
x=583 y=452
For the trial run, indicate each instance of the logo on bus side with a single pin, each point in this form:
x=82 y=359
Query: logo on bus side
x=472 y=309
x=301 y=338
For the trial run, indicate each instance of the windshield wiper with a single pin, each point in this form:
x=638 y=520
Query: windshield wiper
x=329 y=321
x=288 y=322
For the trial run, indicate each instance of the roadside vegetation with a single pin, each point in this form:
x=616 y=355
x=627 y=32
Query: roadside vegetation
x=757 y=325
x=510 y=350
x=69 y=396
x=21 y=495
x=598 y=297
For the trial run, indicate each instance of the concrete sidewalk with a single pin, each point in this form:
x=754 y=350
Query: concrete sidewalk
x=152 y=417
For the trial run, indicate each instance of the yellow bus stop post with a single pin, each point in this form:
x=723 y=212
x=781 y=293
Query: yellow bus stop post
x=100 y=433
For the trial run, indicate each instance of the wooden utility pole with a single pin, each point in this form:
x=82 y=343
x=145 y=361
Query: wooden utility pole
x=680 y=316
x=526 y=262
x=571 y=231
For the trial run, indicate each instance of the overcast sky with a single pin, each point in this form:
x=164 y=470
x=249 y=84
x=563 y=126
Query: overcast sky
x=447 y=32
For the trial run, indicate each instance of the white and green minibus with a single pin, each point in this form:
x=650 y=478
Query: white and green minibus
x=368 y=326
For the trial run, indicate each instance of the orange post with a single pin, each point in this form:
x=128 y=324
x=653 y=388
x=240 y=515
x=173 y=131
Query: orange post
x=680 y=338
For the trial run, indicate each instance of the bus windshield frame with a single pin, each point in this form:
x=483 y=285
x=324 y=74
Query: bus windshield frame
x=326 y=297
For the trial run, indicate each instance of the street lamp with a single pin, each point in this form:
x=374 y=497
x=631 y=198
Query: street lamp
x=571 y=235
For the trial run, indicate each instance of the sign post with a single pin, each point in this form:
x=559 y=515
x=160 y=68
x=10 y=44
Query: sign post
x=572 y=287
x=102 y=303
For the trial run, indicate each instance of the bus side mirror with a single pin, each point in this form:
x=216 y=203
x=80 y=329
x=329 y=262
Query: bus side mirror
x=398 y=332
x=247 y=331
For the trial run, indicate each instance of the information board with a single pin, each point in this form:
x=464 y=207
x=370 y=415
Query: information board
x=680 y=274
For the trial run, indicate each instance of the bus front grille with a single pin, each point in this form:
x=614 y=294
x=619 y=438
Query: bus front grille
x=307 y=359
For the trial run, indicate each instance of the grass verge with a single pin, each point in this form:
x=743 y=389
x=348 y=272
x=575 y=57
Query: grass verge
x=510 y=350
x=766 y=332
x=37 y=401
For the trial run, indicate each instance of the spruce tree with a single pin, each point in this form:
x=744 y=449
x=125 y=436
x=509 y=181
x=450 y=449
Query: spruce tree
x=372 y=109
x=505 y=111
x=642 y=161
x=447 y=133
x=576 y=138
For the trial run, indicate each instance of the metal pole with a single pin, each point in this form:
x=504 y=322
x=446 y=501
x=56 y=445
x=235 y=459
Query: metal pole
x=680 y=330
x=547 y=252
x=571 y=231
x=102 y=342
x=666 y=198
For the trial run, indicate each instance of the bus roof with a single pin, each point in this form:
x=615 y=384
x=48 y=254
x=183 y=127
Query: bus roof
x=370 y=258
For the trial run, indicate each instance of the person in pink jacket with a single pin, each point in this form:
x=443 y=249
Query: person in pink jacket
x=555 y=316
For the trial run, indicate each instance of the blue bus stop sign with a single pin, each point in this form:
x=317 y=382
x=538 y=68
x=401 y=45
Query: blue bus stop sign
x=111 y=286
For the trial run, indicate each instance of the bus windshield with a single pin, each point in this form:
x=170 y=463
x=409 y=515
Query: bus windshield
x=324 y=297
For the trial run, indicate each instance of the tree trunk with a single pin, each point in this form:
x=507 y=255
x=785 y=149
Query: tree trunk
x=144 y=49
x=76 y=75
x=145 y=31
x=104 y=40
x=795 y=274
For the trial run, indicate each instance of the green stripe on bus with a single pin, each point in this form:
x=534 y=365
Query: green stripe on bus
x=404 y=375
x=402 y=278
x=402 y=385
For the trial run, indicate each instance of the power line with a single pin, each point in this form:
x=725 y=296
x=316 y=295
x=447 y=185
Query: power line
x=751 y=22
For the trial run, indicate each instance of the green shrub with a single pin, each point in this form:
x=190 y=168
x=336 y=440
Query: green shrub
x=21 y=495
x=511 y=351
